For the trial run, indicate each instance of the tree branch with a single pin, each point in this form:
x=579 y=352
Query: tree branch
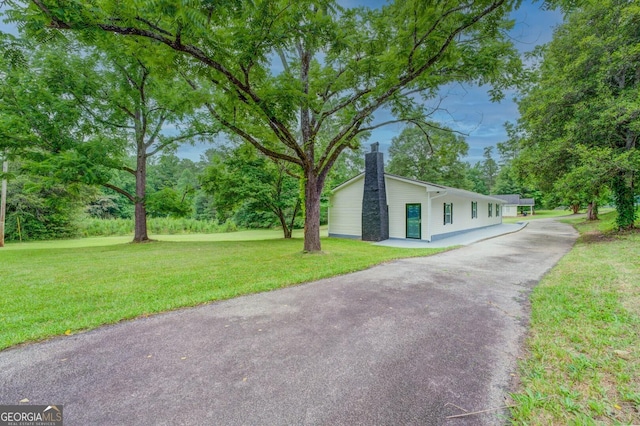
x=55 y=22
x=278 y=130
x=172 y=140
x=120 y=191
x=154 y=26
x=152 y=138
x=430 y=31
x=268 y=152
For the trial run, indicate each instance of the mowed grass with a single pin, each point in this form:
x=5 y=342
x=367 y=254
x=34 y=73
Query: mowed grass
x=53 y=288
x=583 y=361
x=547 y=214
x=245 y=235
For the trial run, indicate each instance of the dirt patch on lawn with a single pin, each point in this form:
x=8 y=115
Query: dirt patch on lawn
x=594 y=237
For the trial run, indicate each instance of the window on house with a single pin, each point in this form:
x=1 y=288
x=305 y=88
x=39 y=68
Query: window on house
x=448 y=213
x=490 y=209
x=474 y=210
x=497 y=210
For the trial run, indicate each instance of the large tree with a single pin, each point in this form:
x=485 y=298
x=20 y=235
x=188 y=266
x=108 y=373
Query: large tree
x=128 y=98
x=581 y=136
x=35 y=121
x=283 y=74
x=107 y=102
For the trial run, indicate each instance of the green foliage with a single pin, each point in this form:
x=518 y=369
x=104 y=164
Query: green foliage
x=94 y=227
x=489 y=168
x=431 y=154
x=476 y=176
x=581 y=138
x=256 y=190
x=623 y=196
x=78 y=109
x=167 y=202
x=38 y=209
x=105 y=207
x=507 y=182
x=348 y=165
x=337 y=66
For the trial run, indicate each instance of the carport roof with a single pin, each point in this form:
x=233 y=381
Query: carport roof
x=515 y=199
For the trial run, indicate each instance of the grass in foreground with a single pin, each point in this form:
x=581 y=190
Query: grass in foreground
x=49 y=291
x=583 y=363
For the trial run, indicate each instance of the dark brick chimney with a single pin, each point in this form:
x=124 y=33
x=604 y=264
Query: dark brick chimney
x=375 y=213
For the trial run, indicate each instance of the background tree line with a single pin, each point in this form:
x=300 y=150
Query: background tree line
x=577 y=137
x=231 y=186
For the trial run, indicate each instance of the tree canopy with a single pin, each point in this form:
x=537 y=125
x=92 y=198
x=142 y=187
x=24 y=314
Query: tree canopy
x=581 y=138
x=431 y=155
x=302 y=80
x=75 y=113
x=243 y=177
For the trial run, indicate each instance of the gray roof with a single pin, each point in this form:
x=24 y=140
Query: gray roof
x=515 y=199
x=427 y=185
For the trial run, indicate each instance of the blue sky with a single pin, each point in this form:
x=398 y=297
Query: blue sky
x=467 y=109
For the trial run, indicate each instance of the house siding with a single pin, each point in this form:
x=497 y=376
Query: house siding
x=462 y=220
x=510 y=211
x=399 y=194
x=345 y=210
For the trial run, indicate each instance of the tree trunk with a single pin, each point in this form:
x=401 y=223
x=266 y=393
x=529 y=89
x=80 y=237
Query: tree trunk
x=140 y=234
x=283 y=222
x=312 y=190
x=623 y=195
x=575 y=208
x=3 y=201
x=293 y=217
x=592 y=211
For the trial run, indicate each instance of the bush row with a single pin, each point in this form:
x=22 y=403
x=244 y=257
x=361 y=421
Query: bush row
x=92 y=227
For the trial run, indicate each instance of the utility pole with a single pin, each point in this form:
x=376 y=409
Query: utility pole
x=3 y=200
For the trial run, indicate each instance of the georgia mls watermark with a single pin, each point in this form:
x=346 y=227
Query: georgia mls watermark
x=30 y=415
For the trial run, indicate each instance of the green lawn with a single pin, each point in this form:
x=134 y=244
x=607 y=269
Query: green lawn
x=546 y=214
x=583 y=361
x=51 y=288
x=252 y=235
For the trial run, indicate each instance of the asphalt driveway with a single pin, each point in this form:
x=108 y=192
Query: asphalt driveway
x=409 y=342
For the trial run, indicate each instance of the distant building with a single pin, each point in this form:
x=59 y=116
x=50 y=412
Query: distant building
x=513 y=203
x=375 y=206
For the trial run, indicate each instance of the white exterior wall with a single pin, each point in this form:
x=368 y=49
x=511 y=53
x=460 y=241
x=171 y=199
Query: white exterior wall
x=399 y=194
x=345 y=210
x=510 y=211
x=461 y=214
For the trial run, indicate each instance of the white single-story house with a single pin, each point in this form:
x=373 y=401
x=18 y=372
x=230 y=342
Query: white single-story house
x=513 y=201
x=414 y=209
